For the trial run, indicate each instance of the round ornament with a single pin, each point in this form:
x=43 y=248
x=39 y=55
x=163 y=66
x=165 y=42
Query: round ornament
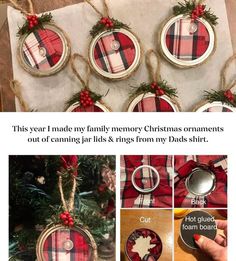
x=145 y=179
x=143 y=244
x=200 y=182
x=59 y=242
x=188 y=38
x=44 y=51
x=114 y=51
x=215 y=107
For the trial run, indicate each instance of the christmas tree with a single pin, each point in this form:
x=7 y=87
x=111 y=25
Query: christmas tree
x=35 y=199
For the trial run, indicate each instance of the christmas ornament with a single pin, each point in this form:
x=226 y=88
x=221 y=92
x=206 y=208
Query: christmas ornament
x=85 y=100
x=114 y=51
x=223 y=100
x=143 y=244
x=188 y=39
x=155 y=96
x=44 y=48
x=66 y=239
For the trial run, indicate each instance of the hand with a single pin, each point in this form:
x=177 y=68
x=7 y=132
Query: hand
x=216 y=249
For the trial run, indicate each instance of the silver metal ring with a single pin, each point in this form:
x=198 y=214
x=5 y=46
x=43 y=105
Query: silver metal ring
x=154 y=171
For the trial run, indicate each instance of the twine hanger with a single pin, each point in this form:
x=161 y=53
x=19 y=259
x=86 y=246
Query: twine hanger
x=154 y=74
x=85 y=81
x=67 y=205
x=23 y=11
x=105 y=6
x=224 y=85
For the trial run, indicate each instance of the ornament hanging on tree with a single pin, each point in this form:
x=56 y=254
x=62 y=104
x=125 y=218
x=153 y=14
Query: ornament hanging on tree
x=155 y=96
x=114 y=51
x=85 y=100
x=223 y=100
x=44 y=48
x=188 y=38
x=66 y=239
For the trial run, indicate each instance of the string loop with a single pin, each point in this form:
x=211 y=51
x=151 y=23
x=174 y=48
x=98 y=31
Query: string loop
x=224 y=85
x=105 y=6
x=24 y=11
x=154 y=73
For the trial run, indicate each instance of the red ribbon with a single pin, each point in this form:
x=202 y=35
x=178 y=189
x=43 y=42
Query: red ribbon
x=70 y=163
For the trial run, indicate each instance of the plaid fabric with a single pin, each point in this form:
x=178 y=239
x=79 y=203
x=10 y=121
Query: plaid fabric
x=184 y=45
x=183 y=167
x=114 y=61
x=53 y=249
x=155 y=245
x=92 y=108
x=153 y=104
x=161 y=197
x=218 y=109
x=50 y=42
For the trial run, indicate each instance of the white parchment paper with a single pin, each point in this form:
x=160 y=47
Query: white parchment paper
x=145 y=18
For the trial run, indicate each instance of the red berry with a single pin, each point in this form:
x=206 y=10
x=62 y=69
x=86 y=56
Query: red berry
x=36 y=22
x=66 y=222
x=71 y=223
x=160 y=92
x=107 y=25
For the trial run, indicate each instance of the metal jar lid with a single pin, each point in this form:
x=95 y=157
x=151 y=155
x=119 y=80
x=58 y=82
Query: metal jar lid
x=150 y=176
x=201 y=182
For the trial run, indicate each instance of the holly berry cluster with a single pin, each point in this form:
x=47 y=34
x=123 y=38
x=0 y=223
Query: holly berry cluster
x=158 y=90
x=229 y=95
x=198 y=12
x=66 y=218
x=86 y=99
x=107 y=22
x=32 y=21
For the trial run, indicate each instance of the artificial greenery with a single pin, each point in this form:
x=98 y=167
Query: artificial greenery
x=34 y=205
x=146 y=87
x=25 y=29
x=187 y=7
x=220 y=96
x=99 y=27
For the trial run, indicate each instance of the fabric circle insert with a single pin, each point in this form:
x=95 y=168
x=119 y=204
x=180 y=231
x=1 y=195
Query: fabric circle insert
x=143 y=244
x=184 y=44
x=67 y=245
x=92 y=108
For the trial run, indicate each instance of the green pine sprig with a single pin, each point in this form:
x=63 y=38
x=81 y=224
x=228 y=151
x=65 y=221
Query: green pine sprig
x=219 y=96
x=146 y=87
x=44 y=18
x=99 y=27
x=187 y=7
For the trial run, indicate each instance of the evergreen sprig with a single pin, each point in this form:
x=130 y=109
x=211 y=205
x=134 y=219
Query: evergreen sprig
x=187 y=7
x=146 y=87
x=219 y=96
x=44 y=18
x=99 y=27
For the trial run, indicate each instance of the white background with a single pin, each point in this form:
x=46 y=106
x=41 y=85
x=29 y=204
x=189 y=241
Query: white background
x=16 y=144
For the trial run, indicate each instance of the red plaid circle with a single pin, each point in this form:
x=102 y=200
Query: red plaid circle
x=92 y=108
x=153 y=104
x=43 y=49
x=111 y=60
x=184 y=45
x=53 y=248
x=218 y=109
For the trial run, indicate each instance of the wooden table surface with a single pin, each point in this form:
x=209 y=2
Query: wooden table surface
x=7 y=102
x=160 y=222
x=182 y=252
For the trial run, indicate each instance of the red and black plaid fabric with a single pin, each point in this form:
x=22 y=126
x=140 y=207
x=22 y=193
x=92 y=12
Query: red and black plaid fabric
x=155 y=245
x=53 y=248
x=153 y=104
x=185 y=45
x=114 y=61
x=92 y=108
x=161 y=197
x=183 y=167
x=218 y=109
x=46 y=40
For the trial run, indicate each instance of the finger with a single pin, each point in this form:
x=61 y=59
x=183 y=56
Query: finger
x=221 y=240
x=222 y=224
x=210 y=247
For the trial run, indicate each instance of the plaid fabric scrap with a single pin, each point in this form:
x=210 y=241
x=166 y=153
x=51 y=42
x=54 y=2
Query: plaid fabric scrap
x=217 y=199
x=218 y=109
x=153 y=104
x=53 y=249
x=161 y=197
x=43 y=49
x=92 y=108
x=184 y=45
x=111 y=60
